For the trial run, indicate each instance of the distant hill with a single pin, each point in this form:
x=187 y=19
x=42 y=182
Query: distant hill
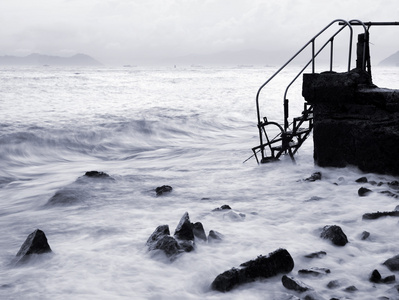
x=35 y=59
x=392 y=60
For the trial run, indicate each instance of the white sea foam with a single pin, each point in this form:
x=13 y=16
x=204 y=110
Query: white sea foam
x=190 y=128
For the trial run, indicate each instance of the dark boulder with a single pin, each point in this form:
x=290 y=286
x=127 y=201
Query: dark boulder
x=362 y=180
x=184 y=230
x=291 y=283
x=375 y=276
x=335 y=234
x=365 y=235
x=392 y=263
x=319 y=254
x=96 y=174
x=389 y=194
x=67 y=196
x=279 y=261
x=160 y=239
x=362 y=192
x=35 y=243
x=314 y=271
x=163 y=189
x=351 y=289
x=199 y=231
x=379 y=214
x=315 y=176
x=223 y=207
x=214 y=236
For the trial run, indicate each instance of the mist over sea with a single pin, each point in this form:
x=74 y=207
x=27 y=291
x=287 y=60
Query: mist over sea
x=191 y=128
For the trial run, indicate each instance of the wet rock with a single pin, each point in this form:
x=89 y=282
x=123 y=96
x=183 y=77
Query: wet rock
x=389 y=279
x=199 y=232
x=335 y=234
x=312 y=295
x=314 y=271
x=363 y=192
x=315 y=176
x=233 y=216
x=223 y=207
x=319 y=254
x=351 y=289
x=279 y=261
x=97 y=174
x=214 y=236
x=379 y=214
x=375 y=276
x=333 y=284
x=365 y=235
x=293 y=284
x=314 y=198
x=66 y=196
x=184 y=230
x=394 y=185
x=392 y=263
x=35 y=243
x=389 y=194
x=163 y=189
x=361 y=180
x=160 y=239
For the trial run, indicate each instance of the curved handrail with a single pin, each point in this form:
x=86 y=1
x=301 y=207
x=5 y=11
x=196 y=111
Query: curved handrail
x=321 y=49
x=293 y=57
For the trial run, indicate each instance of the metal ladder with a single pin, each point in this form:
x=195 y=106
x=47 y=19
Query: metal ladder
x=290 y=136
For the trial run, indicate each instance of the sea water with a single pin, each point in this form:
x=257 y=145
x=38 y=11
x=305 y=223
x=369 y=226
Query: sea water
x=191 y=128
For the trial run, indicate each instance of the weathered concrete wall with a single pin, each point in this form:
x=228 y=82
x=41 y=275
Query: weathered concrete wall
x=355 y=122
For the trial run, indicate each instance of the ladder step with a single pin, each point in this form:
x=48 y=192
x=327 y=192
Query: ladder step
x=299 y=131
x=280 y=148
x=309 y=116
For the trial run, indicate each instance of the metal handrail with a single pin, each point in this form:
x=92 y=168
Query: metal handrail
x=351 y=22
x=346 y=23
x=296 y=54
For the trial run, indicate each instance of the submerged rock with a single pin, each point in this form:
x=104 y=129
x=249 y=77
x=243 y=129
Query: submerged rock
x=214 y=236
x=315 y=176
x=35 y=243
x=365 y=235
x=362 y=192
x=96 y=174
x=314 y=271
x=319 y=254
x=279 y=261
x=362 y=180
x=379 y=214
x=199 y=231
x=392 y=263
x=335 y=234
x=223 y=207
x=66 y=196
x=163 y=189
x=293 y=284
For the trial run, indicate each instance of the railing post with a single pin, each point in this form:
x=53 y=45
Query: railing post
x=313 y=55
x=286 y=114
x=331 y=53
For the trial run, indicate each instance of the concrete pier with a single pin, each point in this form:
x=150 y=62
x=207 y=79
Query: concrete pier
x=355 y=122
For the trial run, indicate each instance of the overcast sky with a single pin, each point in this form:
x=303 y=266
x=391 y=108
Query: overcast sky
x=134 y=31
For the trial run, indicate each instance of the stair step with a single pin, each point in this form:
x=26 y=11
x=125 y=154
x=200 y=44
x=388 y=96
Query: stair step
x=299 y=131
x=309 y=116
x=280 y=148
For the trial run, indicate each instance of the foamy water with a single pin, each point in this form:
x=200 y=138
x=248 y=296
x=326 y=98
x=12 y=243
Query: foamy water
x=190 y=128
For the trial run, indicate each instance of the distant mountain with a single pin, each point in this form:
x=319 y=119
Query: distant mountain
x=392 y=60
x=35 y=59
